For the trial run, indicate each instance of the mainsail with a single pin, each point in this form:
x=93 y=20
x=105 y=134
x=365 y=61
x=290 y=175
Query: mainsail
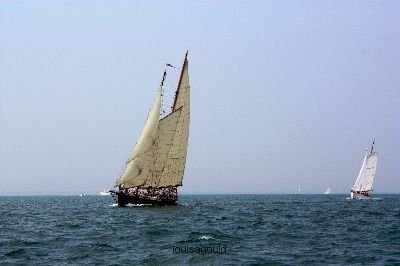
x=159 y=157
x=175 y=164
x=366 y=175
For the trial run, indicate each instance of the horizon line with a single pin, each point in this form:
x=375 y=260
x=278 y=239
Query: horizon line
x=184 y=194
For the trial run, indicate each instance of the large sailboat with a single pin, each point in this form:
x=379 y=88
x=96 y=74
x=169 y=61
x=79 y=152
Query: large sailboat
x=155 y=168
x=362 y=188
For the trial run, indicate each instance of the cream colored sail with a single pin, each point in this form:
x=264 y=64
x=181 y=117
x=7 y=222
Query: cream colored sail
x=167 y=129
x=172 y=174
x=159 y=157
x=143 y=148
x=150 y=130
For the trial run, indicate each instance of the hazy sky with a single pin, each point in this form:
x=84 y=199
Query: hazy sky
x=283 y=93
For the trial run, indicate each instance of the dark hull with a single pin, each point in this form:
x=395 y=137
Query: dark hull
x=124 y=199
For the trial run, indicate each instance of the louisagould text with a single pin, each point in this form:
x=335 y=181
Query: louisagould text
x=199 y=250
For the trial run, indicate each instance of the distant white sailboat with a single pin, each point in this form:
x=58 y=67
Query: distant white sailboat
x=105 y=192
x=362 y=188
x=327 y=191
x=298 y=190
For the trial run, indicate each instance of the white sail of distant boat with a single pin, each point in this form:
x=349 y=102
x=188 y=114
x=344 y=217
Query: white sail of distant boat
x=362 y=188
x=105 y=192
x=298 y=190
x=327 y=191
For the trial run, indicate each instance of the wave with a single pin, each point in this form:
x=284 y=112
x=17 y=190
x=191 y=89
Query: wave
x=367 y=199
x=137 y=205
x=206 y=237
x=16 y=253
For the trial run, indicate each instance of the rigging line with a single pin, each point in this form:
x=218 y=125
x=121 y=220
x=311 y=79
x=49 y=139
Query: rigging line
x=169 y=65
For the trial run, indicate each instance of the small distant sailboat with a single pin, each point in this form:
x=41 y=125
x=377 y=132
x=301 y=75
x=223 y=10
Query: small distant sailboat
x=327 y=191
x=105 y=192
x=298 y=190
x=82 y=195
x=362 y=188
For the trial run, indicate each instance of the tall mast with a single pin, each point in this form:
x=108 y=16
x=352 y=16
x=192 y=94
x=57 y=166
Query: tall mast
x=372 y=149
x=180 y=80
x=163 y=79
x=162 y=90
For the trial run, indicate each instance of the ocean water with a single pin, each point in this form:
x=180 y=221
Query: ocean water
x=201 y=229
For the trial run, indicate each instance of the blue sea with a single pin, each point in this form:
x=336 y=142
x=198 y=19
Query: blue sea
x=201 y=229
